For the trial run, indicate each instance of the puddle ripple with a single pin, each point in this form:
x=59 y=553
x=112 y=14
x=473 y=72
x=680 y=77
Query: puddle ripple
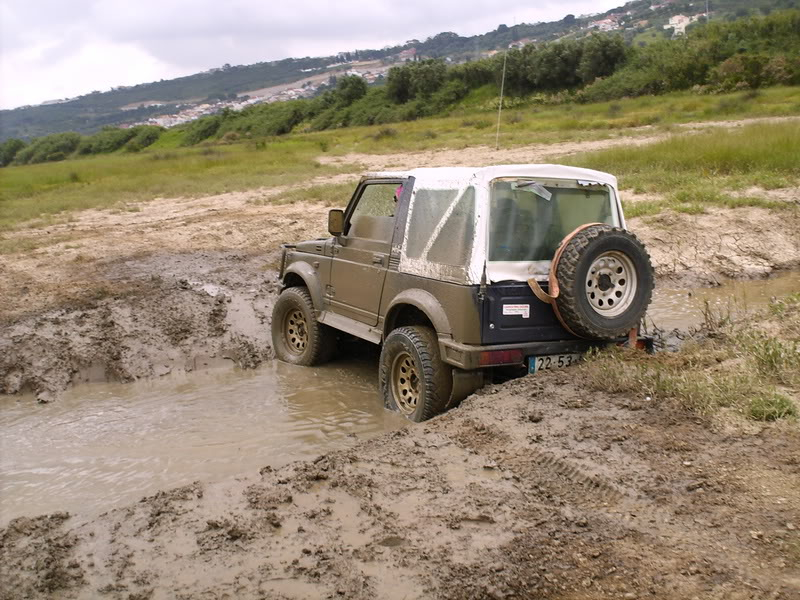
x=106 y=445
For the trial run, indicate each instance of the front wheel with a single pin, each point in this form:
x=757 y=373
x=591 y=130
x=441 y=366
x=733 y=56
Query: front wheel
x=297 y=337
x=413 y=378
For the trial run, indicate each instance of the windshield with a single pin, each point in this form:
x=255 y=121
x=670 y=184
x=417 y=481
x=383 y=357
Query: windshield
x=529 y=218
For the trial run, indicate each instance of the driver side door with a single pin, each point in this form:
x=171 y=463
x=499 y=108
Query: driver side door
x=361 y=254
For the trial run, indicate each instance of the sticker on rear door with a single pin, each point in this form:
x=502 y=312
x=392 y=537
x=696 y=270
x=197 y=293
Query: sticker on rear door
x=517 y=309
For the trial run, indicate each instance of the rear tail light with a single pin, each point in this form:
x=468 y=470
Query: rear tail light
x=492 y=358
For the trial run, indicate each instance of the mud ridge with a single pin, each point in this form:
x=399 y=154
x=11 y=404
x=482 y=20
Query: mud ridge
x=167 y=313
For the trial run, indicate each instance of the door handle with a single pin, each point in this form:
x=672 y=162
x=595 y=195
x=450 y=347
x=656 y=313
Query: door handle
x=377 y=259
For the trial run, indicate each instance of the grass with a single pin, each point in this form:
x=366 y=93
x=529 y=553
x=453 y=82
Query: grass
x=730 y=364
x=112 y=181
x=10 y=246
x=329 y=194
x=695 y=171
x=168 y=170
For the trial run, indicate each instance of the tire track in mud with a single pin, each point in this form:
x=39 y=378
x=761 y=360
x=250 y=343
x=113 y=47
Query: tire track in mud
x=546 y=478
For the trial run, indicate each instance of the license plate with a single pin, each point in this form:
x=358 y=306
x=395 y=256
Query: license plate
x=552 y=361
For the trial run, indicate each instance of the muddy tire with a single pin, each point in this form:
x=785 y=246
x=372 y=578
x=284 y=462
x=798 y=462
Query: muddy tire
x=606 y=281
x=414 y=380
x=297 y=337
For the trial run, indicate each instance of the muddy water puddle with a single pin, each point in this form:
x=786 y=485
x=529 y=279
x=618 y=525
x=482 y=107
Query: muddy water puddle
x=107 y=445
x=682 y=308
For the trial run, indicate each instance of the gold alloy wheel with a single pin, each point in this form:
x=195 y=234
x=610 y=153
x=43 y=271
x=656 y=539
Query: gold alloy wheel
x=295 y=331
x=405 y=383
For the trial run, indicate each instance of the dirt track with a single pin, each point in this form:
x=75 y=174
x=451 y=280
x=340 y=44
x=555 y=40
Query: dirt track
x=540 y=488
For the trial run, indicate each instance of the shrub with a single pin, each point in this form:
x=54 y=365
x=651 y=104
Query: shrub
x=781 y=70
x=384 y=133
x=201 y=129
x=50 y=148
x=145 y=136
x=9 y=149
x=109 y=139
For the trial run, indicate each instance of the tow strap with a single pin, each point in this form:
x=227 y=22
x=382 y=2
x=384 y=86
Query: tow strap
x=553 y=287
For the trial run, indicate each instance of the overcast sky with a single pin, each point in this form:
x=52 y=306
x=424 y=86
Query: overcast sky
x=63 y=48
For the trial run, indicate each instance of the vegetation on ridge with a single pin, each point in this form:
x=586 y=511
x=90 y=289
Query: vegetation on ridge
x=717 y=57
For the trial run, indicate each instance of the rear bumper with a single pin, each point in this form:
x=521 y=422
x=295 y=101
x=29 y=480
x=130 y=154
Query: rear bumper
x=468 y=357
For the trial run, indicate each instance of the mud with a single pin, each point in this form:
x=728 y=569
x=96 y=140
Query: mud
x=190 y=283
x=537 y=488
x=104 y=445
x=707 y=249
x=166 y=313
x=682 y=309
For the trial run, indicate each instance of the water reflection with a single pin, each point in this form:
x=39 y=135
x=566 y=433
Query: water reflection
x=104 y=445
x=683 y=308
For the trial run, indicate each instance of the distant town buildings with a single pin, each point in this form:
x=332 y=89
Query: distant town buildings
x=678 y=23
x=409 y=54
x=304 y=89
x=521 y=43
x=346 y=63
x=610 y=23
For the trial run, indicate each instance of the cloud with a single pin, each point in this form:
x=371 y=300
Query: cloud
x=53 y=49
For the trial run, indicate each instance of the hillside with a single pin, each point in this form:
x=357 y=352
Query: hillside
x=639 y=21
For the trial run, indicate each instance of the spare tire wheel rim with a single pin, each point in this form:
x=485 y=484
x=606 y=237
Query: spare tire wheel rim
x=405 y=383
x=295 y=331
x=611 y=284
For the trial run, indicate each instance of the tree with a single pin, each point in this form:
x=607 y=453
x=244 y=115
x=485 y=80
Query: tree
x=398 y=84
x=350 y=88
x=9 y=149
x=427 y=76
x=601 y=56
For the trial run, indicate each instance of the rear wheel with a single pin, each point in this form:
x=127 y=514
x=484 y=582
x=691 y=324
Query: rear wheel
x=297 y=337
x=413 y=378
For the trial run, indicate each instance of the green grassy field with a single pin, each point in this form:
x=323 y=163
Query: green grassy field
x=114 y=181
x=693 y=171
x=38 y=192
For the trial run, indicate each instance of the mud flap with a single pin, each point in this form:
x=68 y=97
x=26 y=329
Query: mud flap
x=464 y=383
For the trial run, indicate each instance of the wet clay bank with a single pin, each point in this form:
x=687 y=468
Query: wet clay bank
x=167 y=313
x=538 y=488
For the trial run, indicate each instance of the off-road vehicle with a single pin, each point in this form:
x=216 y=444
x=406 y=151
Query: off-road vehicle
x=458 y=270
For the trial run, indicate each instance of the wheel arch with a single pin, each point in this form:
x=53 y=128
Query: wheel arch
x=416 y=307
x=303 y=274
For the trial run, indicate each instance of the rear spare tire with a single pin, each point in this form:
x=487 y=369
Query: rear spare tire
x=606 y=282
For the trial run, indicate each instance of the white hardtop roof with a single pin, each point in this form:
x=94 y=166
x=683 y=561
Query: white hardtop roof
x=487 y=174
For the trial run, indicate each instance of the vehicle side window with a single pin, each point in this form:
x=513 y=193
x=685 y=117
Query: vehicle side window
x=373 y=217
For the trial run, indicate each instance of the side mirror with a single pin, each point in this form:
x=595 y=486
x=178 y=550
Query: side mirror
x=336 y=222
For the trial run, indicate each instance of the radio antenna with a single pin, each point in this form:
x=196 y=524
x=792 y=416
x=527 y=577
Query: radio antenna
x=500 y=107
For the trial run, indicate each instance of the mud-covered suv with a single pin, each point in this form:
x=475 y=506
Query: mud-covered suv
x=457 y=270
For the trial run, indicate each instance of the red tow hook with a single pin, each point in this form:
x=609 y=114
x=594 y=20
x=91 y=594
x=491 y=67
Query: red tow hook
x=634 y=340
